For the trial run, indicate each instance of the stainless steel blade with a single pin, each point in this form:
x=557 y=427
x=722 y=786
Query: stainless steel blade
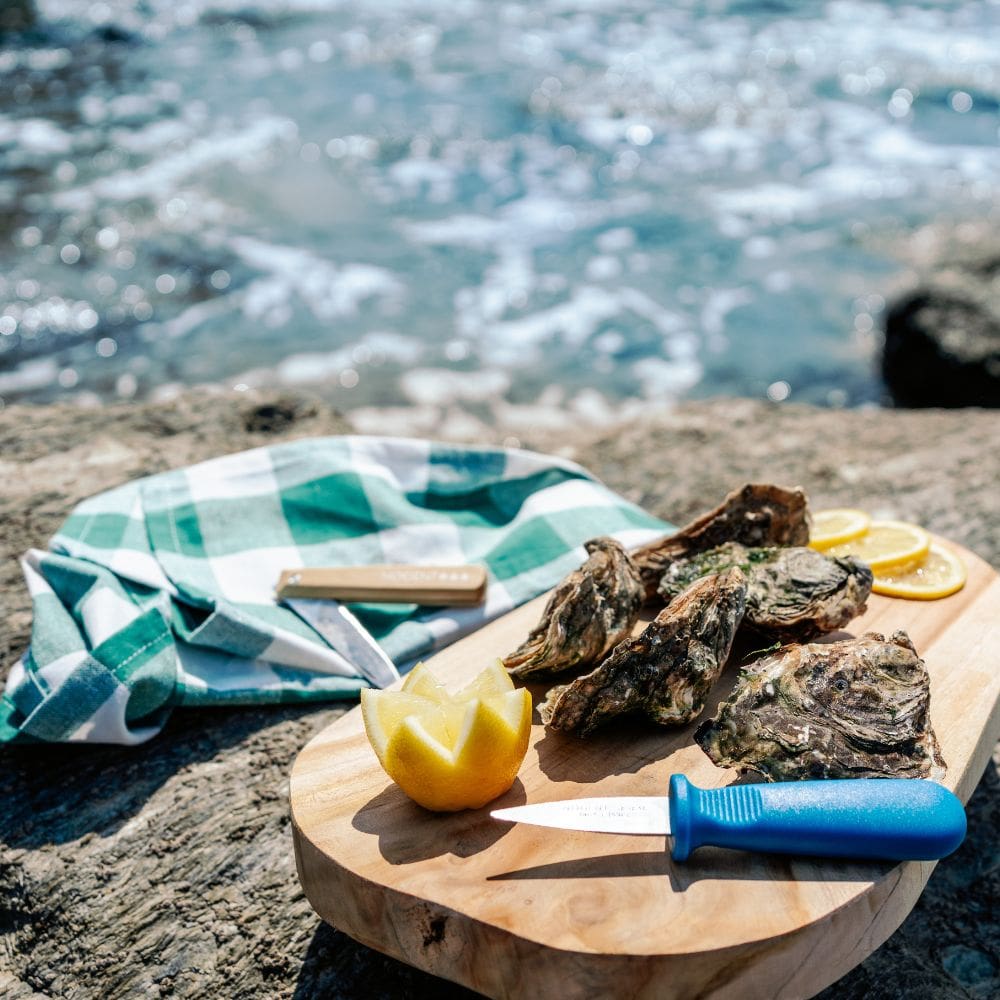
x=647 y=814
x=347 y=636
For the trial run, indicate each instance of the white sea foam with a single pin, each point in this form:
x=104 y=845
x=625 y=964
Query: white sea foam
x=665 y=380
x=35 y=374
x=153 y=137
x=190 y=320
x=318 y=367
x=440 y=386
x=534 y=220
x=28 y=137
x=417 y=174
x=719 y=303
x=161 y=177
x=574 y=321
x=329 y=290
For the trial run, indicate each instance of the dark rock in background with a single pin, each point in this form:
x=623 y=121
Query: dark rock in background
x=942 y=339
x=166 y=870
x=16 y=15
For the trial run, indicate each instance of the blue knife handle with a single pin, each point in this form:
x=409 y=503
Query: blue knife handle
x=897 y=819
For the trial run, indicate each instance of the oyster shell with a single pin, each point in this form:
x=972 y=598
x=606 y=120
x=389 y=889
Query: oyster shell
x=793 y=594
x=757 y=514
x=666 y=671
x=592 y=610
x=852 y=709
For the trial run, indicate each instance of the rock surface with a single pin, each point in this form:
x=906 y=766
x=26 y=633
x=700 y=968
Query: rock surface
x=17 y=15
x=942 y=338
x=166 y=870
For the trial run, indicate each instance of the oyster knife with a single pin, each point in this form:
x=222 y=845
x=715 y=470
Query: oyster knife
x=896 y=819
x=314 y=593
x=346 y=636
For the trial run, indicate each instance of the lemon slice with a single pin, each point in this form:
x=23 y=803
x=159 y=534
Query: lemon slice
x=450 y=751
x=941 y=573
x=886 y=545
x=836 y=526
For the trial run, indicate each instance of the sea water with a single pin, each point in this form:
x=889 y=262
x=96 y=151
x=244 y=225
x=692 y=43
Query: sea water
x=509 y=211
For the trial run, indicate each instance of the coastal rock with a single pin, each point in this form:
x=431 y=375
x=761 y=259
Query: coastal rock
x=17 y=15
x=942 y=339
x=167 y=869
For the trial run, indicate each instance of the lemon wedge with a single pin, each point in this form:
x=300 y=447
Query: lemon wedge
x=420 y=681
x=836 y=526
x=450 y=751
x=939 y=574
x=886 y=545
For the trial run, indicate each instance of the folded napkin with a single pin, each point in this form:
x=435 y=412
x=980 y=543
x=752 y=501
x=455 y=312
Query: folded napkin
x=161 y=592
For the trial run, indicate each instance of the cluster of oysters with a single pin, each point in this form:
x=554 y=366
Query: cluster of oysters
x=853 y=708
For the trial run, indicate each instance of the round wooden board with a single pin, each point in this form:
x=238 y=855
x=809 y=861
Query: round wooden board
x=514 y=910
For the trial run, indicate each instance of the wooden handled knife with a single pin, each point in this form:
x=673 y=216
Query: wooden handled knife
x=435 y=586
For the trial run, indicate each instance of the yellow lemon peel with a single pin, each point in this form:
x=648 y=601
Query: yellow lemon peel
x=836 y=526
x=939 y=574
x=450 y=751
x=886 y=545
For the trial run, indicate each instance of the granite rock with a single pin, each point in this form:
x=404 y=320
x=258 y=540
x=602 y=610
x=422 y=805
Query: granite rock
x=166 y=870
x=942 y=337
x=17 y=15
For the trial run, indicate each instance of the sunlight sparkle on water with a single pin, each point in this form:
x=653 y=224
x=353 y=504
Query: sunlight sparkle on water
x=648 y=200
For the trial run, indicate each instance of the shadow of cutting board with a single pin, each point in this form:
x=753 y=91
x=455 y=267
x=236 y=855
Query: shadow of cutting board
x=515 y=910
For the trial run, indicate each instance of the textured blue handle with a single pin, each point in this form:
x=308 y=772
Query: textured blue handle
x=897 y=819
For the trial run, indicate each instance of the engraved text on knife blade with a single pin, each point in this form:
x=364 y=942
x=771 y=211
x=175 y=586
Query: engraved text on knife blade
x=649 y=814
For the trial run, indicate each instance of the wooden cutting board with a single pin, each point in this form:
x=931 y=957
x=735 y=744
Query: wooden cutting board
x=515 y=910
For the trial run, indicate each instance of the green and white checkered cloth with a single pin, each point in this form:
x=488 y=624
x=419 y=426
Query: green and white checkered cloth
x=160 y=592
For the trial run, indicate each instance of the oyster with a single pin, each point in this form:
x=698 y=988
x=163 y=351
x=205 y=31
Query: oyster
x=852 y=709
x=793 y=594
x=666 y=671
x=592 y=610
x=757 y=514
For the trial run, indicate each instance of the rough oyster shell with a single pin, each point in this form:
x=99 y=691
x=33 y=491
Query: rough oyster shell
x=592 y=610
x=755 y=515
x=852 y=709
x=667 y=671
x=793 y=594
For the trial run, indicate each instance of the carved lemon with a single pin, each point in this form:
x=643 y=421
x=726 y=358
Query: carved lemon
x=450 y=751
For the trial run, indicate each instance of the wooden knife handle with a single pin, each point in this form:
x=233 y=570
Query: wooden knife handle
x=436 y=586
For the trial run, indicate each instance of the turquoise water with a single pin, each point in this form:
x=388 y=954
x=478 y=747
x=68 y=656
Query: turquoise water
x=502 y=210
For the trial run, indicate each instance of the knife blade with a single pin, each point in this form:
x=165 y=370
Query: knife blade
x=347 y=636
x=639 y=814
x=896 y=819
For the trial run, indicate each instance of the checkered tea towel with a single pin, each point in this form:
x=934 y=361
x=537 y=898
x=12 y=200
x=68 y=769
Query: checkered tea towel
x=161 y=592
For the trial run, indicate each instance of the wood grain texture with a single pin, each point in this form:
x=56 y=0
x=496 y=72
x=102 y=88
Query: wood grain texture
x=432 y=586
x=505 y=909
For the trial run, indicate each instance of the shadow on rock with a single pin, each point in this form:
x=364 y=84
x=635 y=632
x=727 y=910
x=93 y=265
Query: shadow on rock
x=57 y=793
x=335 y=965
